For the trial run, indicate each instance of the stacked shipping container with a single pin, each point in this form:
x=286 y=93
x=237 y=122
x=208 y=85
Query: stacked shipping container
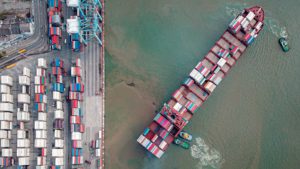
x=54 y=18
x=23 y=116
x=77 y=128
x=58 y=123
x=6 y=119
x=40 y=106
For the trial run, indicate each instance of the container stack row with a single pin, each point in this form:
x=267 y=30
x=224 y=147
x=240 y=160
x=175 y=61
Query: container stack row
x=58 y=89
x=55 y=22
x=23 y=117
x=76 y=115
x=6 y=118
x=40 y=106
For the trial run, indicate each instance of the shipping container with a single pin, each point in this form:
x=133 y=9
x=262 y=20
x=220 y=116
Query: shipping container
x=39 y=89
x=42 y=63
x=75 y=119
x=23 y=98
x=24 y=80
x=22 y=134
x=41 y=160
x=23 y=116
x=40 y=107
x=7 y=98
x=76 y=143
x=40 y=143
x=75 y=96
x=5 y=134
x=41 y=134
x=40 y=98
x=40 y=125
x=58 y=105
x=57 y=152
x=23 y=152
x=59 y=143
x=59 y=87
x=26 y=71
x=6 y=125
x=39 y=80
x=23 y=161
x=57 y=133
x=76 y=71
x=40 y=72
x=58 y=114
x=59 y=79
x=77 y=128
x=58 y=124
x=5 y=143
x=56 y=71
x=6 y=107
x=23 y=143
x=42 y=116
x=77 y=160
x=4 y=88
x=6 y=116
x=7 y=80
x=56 y=96
x=76 y=136
x=7 y=152
x=76 y=112
x=58 y=162
x=58 y=63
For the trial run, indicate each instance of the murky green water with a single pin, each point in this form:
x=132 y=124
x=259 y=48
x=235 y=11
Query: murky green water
x=252 y=119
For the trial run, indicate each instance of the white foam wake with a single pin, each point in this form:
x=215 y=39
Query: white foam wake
x=206 y=155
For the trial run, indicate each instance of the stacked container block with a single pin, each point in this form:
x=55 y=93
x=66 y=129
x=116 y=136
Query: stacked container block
x=58 y=123
x=6 y=119
x=54 y=18
x=23 y=117
x=77 y=127
x=40 y=107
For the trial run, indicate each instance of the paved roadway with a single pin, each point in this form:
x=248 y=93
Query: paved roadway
x=37 y=42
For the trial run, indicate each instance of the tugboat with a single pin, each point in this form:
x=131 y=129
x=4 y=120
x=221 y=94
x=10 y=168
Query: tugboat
x=284 y=44
x=186 y=136
x=182 y=143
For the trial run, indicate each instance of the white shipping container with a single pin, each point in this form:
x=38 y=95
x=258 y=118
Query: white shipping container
x=98 y=152
x=40 y=72
x=57 y=134
x=59 y=161
x=7 y=98
x=59 y=143
x=21 y=134
x=8 y=107
x=6 y=152
x=221 y=62
x=24 y=80
x=26 y=71
x=76 y=136
x=41 y=160
x=59 y=105
x=23 y=98
x=78 y=62
x=25 y=107
x=250 y=16
x=24 y=161
x=40 y=125
x=58 y=114
x=42 y=63
x=3 y=134
x=57 y=152
x=5 y=143
x=6 y=116
x=42 y=116
x=100 y=134
x=23 y=116
x=23 y=143
x=5 y=125
x=40 y=143
x=7 y=80
x=23 y=152
x=56 y=95
x=41 y=134
x=4 y=89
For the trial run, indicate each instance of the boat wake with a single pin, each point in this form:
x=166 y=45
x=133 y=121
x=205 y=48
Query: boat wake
x=207 y=156
x=274 y=26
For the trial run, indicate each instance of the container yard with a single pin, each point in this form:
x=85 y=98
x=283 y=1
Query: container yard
x=202 y=81
x=55 y=22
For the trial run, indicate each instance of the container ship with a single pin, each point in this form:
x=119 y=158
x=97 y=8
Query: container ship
x=202 y=81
